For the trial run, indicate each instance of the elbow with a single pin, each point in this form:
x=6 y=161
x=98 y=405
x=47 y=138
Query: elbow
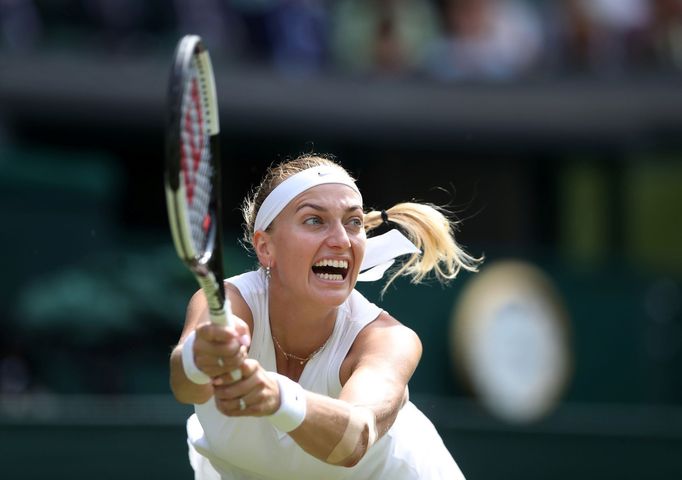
x=190 y=394
x=177 y=392
x=352 y=461
x=350 y=464
x=180 y=396
x=365 y=441
x=357 y=439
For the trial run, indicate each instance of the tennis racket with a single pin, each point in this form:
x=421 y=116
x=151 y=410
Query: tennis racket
x=192 y=173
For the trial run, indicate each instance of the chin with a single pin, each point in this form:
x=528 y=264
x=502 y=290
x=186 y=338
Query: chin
x=332 y=295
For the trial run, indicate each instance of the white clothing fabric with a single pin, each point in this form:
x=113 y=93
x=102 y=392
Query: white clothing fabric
x=381 y=252
x=250 y=448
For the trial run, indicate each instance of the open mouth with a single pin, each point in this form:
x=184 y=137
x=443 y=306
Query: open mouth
x=331 y=269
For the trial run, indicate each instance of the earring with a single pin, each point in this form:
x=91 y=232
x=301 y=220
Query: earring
x=268 y=272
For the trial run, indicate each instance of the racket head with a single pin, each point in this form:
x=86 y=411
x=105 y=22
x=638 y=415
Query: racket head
x=192 y=167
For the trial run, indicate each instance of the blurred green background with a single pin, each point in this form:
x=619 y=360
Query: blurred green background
x=553 y=130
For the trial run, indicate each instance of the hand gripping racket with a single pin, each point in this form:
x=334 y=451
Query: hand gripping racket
x=192 y=173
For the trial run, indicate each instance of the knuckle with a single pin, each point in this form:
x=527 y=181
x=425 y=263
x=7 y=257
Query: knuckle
x=232 y=348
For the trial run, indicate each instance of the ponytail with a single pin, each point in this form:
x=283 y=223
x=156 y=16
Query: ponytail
x=432 y=233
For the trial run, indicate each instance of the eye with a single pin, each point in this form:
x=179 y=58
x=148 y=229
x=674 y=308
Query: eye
x=355 y=222
x=312 y=221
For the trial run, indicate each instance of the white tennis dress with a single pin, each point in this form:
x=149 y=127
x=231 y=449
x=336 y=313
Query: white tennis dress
x=247 y=448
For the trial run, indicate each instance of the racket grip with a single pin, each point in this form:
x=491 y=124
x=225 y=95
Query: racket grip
x=224 y=317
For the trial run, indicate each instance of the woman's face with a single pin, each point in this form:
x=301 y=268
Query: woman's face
x=318 y=243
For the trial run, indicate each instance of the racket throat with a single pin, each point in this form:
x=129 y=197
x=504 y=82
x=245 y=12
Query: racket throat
x=208 y=282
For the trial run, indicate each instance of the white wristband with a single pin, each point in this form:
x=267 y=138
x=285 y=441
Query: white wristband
x=192 y=372
x=292 y=408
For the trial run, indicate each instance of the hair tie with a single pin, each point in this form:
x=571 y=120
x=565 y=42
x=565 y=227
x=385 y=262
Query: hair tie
x=384 y=218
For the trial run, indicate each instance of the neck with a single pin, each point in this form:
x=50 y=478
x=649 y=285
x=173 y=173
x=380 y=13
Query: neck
x=298 y=336
x=300 y=331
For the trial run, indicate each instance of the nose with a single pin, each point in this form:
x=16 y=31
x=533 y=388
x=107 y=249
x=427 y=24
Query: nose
x=338 y=236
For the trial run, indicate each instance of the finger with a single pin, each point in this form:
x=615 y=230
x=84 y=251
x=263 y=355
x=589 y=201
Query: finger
x=216 y=360
x=231 y=369
x=221 y=367
x=235 y=365
x=228 y=355
x=213 y=333
x=254 y=378
x=228 y=350
x=251 y=403
x=249 y=366
x=216 y=341
x=237 y=407
x=209 y=354
x=260 y=397
x=225 y=388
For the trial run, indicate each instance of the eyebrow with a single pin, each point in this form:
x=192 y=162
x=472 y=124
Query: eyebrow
x=320 y=208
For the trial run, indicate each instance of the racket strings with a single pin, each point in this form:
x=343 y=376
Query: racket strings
x=195 y=161
x=192 y=136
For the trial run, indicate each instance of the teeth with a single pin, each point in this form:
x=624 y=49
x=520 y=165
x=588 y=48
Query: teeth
x=329 y=276
x=332 y=263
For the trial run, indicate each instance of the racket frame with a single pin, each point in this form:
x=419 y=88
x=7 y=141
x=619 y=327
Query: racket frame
x=207 y=265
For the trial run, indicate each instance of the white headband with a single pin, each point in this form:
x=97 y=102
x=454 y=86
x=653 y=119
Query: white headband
x=380 y=252
x=293 y=186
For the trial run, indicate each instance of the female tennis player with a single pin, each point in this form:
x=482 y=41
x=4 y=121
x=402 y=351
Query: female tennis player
x=323 y=392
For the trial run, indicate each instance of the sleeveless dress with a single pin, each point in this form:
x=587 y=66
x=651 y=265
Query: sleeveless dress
x=250 y=448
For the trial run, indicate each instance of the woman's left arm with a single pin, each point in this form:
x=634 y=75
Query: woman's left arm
x=374 y=375
x=339 y=431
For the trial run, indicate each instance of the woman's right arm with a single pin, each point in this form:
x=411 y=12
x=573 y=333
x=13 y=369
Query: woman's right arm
x=211 y=343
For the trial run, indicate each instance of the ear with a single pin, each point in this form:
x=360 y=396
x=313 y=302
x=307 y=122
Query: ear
x=264 y=248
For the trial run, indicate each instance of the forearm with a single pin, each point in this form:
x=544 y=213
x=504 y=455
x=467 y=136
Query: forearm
x=184 y=390
x=341 y=431
x=335 y=431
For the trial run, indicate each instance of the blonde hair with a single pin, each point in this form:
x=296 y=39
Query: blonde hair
x=426 y=225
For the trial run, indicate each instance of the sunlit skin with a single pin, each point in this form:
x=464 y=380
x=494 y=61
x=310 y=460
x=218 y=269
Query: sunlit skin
x=325 y=222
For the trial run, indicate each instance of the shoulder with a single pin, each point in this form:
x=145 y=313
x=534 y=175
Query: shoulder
x=383 y=342
x=387 y=333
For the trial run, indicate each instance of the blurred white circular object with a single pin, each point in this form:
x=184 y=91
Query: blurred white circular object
x=511 y=341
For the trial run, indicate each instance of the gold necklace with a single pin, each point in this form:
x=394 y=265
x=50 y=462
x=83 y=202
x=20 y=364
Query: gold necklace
x=300 y=360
